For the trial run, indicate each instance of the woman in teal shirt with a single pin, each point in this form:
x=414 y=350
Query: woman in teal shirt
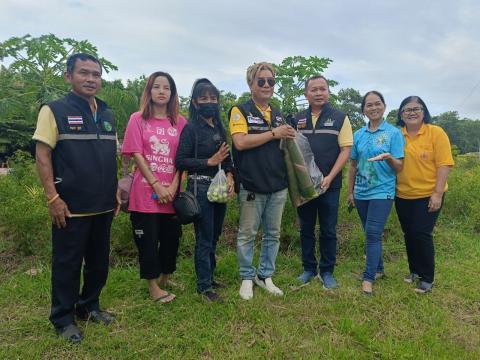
x=377 y=155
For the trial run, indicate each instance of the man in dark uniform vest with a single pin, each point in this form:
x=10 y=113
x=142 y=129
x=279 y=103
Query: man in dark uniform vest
x=330 y=136
x=256 y=129
x=76 y=163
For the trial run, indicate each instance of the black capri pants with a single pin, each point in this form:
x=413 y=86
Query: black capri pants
x=157 y=238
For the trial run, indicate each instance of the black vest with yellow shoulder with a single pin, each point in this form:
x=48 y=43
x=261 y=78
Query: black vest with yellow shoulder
x=84 y=158
x=323 y=138
x=261 y=169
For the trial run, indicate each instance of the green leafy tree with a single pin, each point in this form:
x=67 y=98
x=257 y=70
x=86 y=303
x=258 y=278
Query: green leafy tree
x=34 y=76
x=464 y=133
x=227 y=100
x=184 y=103
x=122 y=100
x=41 y=62
x=291 y=75
x=392 y=116
x=349 y=101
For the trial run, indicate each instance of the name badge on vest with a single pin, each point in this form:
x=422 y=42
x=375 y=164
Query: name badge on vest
x=254 y=120
x=302 y=123
x=328 y=122
x=75 y=122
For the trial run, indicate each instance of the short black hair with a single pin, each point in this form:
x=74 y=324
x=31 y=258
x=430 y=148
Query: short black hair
x=413 y=98
x=375 y=92
x=315 y=78
x=72 y=60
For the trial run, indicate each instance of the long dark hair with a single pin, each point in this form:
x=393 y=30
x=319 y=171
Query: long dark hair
x=426 y=114
x=200 y=88
x=146 y=104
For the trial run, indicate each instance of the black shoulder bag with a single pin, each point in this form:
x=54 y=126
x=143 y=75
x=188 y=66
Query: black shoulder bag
x=185 y=204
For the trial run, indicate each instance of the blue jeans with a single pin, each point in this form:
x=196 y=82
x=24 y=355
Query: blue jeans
x=326 y=208
x=267 y=210
x=207 y=232
x=373 y=215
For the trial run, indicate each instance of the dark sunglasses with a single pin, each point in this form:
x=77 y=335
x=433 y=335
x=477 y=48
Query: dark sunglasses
x=261 y=82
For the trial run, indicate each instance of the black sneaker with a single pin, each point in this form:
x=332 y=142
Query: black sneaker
x=71 y=333
x=212 y=296
x=96 y=316
x=423 y=287
x=411 y=278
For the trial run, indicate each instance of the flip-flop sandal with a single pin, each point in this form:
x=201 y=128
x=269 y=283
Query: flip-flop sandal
x=165 y=299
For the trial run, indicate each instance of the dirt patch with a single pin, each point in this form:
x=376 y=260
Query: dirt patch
x=11 y=261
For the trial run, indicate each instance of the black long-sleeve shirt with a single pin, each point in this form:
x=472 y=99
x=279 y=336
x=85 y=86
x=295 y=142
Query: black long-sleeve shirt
x=209 y=140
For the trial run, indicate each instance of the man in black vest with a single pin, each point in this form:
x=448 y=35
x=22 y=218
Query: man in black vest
x=330 y=136
x=256 y=129
x=76 y=163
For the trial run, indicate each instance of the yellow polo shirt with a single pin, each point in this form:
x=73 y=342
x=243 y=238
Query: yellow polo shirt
x=238 y=123
x=345 y=136
x=424 y=154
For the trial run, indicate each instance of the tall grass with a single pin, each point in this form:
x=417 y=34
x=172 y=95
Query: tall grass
x=306 y=323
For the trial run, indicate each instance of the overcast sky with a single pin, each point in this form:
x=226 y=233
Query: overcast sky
x=427 y=48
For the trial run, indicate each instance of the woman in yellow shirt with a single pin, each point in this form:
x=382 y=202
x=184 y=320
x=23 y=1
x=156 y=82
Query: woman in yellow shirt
x=420 y=187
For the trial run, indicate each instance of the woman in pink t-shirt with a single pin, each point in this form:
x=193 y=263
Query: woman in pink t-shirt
x=152 y=138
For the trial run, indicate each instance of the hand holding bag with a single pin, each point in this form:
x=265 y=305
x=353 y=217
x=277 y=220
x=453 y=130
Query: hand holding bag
x=218 y=189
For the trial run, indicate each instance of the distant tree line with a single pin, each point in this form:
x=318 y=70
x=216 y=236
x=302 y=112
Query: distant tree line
x=31 y=73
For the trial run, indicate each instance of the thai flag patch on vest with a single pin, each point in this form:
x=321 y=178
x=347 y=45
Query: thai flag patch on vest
x=75 y=120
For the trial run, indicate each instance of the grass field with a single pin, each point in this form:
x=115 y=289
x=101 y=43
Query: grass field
x=307 y=323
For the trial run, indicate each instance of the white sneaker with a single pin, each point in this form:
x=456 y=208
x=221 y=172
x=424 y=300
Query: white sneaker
x=268 y=285
x=246 y=290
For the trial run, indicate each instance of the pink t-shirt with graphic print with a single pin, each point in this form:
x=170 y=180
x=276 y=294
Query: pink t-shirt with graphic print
x=157 y=140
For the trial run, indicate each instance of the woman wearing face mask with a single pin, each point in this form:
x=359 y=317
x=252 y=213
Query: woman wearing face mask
x=205 y=132
x=420 y=188
x=151 y=138
x=376 y=158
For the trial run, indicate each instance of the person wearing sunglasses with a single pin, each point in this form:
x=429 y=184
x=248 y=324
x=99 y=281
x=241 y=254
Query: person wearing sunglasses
x=329 y=133
x=420 y=188
x=256 y=129
x=205 y=131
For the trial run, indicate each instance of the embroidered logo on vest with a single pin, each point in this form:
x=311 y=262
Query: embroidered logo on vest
x=328 y=122
x=107 y=126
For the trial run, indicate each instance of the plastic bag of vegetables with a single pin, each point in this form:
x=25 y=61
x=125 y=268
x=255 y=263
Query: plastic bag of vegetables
x=315 y=174
x=301 y=186
x=218 y=189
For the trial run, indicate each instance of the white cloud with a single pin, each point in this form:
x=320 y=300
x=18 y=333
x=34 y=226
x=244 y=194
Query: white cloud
x=399 y=48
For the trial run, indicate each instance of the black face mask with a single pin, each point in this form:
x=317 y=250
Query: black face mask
x=207 y=110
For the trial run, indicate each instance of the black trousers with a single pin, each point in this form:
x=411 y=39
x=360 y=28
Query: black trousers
x=84 y=240
x=417 y=225
x=157 y=239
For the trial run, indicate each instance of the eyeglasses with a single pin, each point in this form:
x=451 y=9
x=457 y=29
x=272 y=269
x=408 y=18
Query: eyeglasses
x=261 y=82
x=412 y=110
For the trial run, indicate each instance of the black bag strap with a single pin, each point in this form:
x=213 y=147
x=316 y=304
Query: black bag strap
x=195 y=177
